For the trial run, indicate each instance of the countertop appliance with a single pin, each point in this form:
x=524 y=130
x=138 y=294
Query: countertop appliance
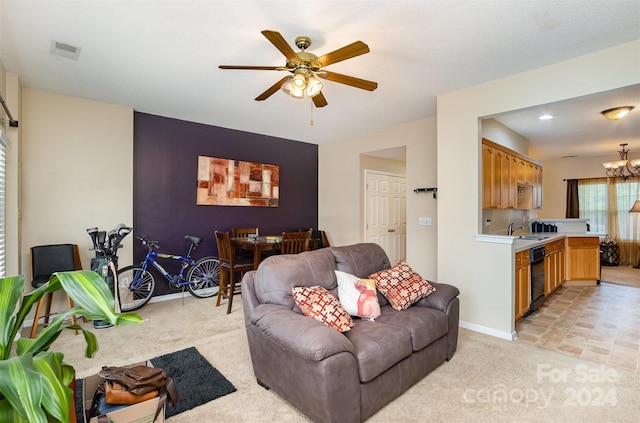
x=536 y=257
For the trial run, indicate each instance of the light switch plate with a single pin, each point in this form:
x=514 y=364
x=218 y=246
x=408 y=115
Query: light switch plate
x=424 y=221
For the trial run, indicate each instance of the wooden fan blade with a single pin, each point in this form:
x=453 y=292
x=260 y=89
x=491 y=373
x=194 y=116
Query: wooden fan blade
x=272 y=89
x=350 y=80
x=281 y=44
x=344 y=53
x=252 y=67
x=319 y=100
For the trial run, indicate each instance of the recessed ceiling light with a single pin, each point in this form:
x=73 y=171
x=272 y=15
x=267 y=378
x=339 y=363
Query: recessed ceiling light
x=546 y=116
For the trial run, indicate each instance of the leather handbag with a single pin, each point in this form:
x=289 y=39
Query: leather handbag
x=115 y=393
x=138 y=380
x=137 y=383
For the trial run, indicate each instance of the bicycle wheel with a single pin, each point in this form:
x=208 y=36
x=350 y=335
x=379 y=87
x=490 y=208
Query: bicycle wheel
x=135 y=287
x=204 y=277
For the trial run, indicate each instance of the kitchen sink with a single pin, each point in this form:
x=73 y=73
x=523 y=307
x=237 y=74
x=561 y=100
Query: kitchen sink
x=533 y=237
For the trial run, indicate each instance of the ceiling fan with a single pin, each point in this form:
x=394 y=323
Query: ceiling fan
x=306 y=68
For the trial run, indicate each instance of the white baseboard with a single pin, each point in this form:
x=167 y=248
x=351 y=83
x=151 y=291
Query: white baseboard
x=169 y=297
x=488 y=331
x=29 y=323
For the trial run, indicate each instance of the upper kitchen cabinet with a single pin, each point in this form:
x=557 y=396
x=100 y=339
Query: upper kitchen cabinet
x=510 y=180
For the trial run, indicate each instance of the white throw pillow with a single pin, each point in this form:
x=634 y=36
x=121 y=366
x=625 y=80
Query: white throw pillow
x=358 y=296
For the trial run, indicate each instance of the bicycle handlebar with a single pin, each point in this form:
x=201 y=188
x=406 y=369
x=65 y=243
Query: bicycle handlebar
x=151 y=244
x=148 y=242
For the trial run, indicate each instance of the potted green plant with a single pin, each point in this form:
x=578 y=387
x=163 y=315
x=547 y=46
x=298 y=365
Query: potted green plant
x=35 y=382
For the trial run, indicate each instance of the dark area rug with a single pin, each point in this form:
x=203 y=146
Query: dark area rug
x=197 y=381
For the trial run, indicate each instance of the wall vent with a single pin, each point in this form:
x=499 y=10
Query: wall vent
x=65 y=50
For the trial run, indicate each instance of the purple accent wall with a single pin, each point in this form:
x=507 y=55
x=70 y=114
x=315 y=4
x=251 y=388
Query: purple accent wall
x=165 y=161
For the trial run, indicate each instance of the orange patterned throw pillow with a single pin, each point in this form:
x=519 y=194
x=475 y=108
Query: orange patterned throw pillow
x=401 y=285
x=320 y=304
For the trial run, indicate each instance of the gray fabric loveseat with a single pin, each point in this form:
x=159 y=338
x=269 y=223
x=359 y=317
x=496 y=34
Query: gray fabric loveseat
x=341 y=377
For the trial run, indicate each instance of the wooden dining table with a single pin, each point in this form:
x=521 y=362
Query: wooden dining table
x=260 y=244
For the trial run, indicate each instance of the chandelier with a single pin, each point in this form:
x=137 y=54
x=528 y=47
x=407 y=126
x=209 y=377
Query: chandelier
x=623 y=168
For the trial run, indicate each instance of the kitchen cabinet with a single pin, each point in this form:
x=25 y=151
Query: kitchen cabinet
x=554 y=266
x=522 y=284
x=583 y=258
x=537 y=187
x=509 y=179
x=496 y=176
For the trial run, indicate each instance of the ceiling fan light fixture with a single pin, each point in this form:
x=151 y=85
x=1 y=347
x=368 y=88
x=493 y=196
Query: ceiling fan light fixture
x=314 y=86
x=297 y=93
x=617 y=112
x=299 y=81
x=290 y=89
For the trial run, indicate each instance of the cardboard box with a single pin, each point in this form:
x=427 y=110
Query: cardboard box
x=142 y=412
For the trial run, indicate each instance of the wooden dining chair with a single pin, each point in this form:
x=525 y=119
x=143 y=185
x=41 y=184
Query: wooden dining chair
x=295 y=242
x=230 y=267
x=243 y=232
x=325 y=240
x=318 y=238
x=45 y=260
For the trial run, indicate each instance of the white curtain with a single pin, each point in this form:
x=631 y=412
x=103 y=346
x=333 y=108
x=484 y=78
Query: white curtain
x=606 y=203
x=592 y=195
x=623 y=226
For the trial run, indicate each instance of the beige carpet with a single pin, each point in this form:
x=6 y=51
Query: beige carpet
x=488 y=379
x=622 y=275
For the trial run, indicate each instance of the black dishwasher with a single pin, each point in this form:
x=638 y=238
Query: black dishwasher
x=536 y=255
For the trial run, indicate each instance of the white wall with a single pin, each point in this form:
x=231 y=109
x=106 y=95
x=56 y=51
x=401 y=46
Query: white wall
x=77 y=172
x=484 y=271
x=340 y=188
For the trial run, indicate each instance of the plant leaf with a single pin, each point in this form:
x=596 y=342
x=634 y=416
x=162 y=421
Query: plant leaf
x=10 y=290
x=57 y=400
x=22 y=385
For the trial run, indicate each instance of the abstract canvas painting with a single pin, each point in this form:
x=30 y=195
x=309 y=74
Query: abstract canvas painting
x=225 y=182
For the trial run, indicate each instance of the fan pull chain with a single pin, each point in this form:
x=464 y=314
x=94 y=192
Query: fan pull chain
x=311 y=121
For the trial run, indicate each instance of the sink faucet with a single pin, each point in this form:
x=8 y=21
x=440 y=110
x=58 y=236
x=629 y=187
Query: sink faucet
x=511 y=229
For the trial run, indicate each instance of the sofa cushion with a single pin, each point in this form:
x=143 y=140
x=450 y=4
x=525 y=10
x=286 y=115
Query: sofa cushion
x=425 y=325
x=361 y=260
x=401 y=285
x=358 y=296
x=318 y=303
x=378 y=347
x=277 y=275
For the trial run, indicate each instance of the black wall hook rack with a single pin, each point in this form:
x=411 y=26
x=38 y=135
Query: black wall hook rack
x=433 y=190
x=12 y=123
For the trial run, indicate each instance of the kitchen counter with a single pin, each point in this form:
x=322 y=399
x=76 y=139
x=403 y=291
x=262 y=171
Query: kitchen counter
x=525 y=244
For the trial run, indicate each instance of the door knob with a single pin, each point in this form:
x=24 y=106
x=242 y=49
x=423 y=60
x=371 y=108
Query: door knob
x=391 y=230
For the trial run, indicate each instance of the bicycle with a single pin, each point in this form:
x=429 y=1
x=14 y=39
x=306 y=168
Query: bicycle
x=136 y=284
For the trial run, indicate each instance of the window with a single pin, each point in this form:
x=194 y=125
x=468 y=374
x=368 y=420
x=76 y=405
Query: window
x=606 y=203
x=592 y=196
x=3 y=172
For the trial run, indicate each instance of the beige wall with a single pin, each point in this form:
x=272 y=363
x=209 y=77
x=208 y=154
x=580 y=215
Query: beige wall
x=77 y=172
x=500 y=134
x=340 y=187
x=484 y=271
x=554 y=189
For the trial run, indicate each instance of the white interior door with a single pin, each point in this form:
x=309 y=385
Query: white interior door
x=385 y=213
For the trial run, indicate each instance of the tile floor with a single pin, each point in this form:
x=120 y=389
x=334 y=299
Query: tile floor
x=598 y=323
